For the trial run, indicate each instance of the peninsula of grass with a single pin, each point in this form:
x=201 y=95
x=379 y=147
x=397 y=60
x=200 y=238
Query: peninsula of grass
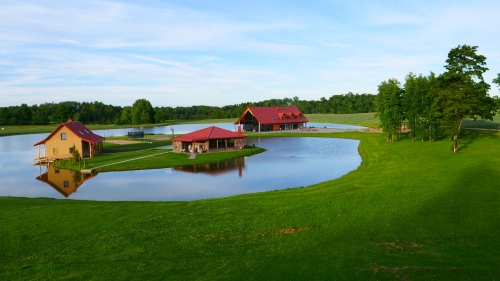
x=411 y=211
x=131 y=157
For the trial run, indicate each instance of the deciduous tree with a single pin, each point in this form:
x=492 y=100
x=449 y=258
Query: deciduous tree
x=390 y=108
x=461 y=92
x=142 y=112
x=417 y=105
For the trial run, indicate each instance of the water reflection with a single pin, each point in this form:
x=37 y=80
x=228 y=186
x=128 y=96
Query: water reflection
x=63 y=181
x=215 y=169
x=288 y=162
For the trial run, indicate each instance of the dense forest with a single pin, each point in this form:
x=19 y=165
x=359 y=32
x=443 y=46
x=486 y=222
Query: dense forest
x=142 y=112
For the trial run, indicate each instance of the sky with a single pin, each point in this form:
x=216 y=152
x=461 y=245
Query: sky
x=184 y=53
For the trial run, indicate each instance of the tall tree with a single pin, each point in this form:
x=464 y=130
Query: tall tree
x=497 y=80
x=389 y=107
x=142 y=112
x=461 y=92
x=417 y=105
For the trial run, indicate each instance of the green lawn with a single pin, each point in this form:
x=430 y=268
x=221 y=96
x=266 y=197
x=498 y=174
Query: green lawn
x=359 y=119
x=411 y=211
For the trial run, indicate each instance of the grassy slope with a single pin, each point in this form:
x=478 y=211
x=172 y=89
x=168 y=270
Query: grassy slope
x=412 y=211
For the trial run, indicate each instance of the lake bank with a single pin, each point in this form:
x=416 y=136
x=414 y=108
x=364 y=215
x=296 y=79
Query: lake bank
x=413 y=211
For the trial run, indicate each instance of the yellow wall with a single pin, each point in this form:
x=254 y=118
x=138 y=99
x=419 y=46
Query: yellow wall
x=63 y=145
x=65 y=181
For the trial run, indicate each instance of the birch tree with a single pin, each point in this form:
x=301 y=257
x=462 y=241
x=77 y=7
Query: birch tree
x=417 y=106
x=389 y=107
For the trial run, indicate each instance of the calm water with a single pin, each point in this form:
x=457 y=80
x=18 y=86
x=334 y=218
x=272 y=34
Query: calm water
x=288 y=162
x=187 y=128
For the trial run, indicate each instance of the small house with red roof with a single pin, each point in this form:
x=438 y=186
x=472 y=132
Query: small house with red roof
x=208 y=140
x=277 y=118
x=59 y=143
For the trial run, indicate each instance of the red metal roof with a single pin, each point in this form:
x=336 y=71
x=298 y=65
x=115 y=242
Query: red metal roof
x=76 y=128
x=210 y=133
x=275 y=115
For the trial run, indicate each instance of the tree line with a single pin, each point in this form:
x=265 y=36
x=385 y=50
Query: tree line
x=428 y=106
x=142 y=112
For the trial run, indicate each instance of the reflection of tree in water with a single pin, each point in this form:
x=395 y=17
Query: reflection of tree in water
x=77 y=177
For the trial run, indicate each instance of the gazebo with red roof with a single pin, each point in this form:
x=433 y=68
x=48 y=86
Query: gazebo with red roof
x=272 y=119
x=59 y=143
x=208 y=140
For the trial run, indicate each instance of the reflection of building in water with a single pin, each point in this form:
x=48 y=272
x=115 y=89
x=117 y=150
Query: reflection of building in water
x=215 y=169
x=64 y=181
x=211 y=139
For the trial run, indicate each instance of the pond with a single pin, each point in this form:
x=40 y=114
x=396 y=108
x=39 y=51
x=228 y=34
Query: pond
x=287 y=163
x=187 y=128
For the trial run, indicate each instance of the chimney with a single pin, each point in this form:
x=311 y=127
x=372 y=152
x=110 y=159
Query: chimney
x=70 y=121
x=277 y=109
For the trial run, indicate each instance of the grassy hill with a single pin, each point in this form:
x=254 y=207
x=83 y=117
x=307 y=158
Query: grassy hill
x=412 y=211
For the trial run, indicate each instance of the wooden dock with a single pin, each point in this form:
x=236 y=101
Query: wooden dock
x=43 y=161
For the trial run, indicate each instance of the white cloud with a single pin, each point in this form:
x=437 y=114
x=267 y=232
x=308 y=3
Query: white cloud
x=174 y=54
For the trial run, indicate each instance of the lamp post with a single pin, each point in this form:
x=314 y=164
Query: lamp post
x=172 y=129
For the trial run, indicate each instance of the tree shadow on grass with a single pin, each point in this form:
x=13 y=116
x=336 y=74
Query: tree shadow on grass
x=454 y=235
x=480 y=123
x=468 y=137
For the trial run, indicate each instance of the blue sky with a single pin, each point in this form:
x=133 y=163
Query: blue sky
x=182 y=53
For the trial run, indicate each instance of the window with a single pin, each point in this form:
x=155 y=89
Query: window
x=70 y=150
x=66 y=183
x=63 y=136
x=56 y=150
x=221 y=143
x=213 y=144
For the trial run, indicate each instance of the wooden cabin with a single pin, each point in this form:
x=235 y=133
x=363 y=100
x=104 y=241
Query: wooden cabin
x=58 y=144
x=208 y=140
x=259 y=119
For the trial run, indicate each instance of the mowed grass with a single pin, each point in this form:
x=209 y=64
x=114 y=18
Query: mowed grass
x=359 y=119
x=411 y=211
x=482 y=123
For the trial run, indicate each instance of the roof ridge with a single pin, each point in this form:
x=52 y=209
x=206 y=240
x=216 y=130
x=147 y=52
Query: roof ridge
x=211 y=130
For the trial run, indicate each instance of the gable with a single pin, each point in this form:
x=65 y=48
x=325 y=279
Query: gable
x=275 y=115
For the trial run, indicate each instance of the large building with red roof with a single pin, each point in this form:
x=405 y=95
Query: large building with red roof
x=207 y=140
x=260 y=119
x=59 y=143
